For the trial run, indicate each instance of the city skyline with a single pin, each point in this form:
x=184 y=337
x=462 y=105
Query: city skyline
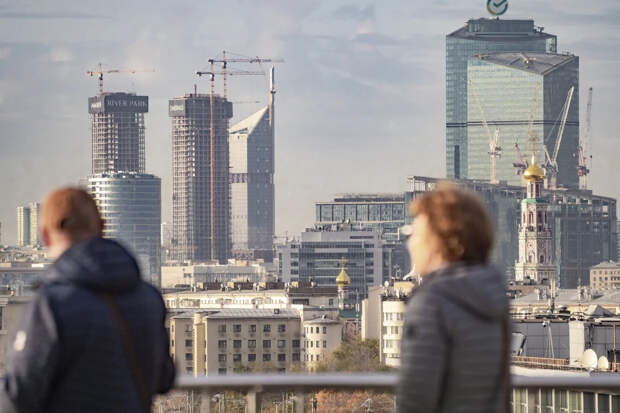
x=363 y=71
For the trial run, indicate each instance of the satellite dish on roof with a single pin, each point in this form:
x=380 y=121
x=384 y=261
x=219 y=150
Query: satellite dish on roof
x=589 y=359
x=603 y=363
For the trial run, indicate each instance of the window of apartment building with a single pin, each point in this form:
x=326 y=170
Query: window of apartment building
x=324 y=330
x=281 y=343
x=251 y=343
x=221 y=371
x=331 y=302
x=221 y=358
x=221 y=344
x=266 y=343
x=311 y=357
x=172 y=328
x=188 y=343
x=295 y=356
x=237 y=358
x=236 y=328
x=295 y=343
x=236 y=343
x=317 y=330
x=281 y=357
x=266 y=357
x=189 y=357
x=317 y=344
x=311 y=343
x=267 y=328
x=189 y=370
x=221 y=328
x=324 y=343
x=251 y=357
x=252 y=328
x=281 y=328
x=188 y=328
x=172 y=343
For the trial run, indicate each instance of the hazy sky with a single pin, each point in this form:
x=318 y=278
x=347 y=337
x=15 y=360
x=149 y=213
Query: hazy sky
x=360 y=102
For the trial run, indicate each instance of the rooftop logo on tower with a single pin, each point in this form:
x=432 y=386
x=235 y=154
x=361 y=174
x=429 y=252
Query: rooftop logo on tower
x=497 y=7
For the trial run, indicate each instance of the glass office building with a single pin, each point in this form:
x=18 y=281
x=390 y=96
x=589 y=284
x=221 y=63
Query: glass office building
x=130 y=205
x=476 y=37
x=384 y=213
x=583 y=225
x=505 y=85
x=251 y=145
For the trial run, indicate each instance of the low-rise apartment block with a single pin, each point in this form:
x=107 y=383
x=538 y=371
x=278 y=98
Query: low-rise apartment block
x=221 y=341
x=383 y=315
x=321 y=336
x=605 y=276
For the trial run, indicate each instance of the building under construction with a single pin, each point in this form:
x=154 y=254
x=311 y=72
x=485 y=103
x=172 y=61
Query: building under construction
x=200 y=186
x=118 y=132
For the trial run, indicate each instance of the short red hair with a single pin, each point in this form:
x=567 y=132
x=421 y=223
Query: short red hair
x=71 y=211
x=460 y=221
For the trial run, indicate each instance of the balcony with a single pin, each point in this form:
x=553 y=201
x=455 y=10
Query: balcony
x=254 y=385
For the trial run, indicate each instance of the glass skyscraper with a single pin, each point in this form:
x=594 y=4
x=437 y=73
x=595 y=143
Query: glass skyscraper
x=251 y=143
x=505 y=85
x=130 y=205
x=476 y=37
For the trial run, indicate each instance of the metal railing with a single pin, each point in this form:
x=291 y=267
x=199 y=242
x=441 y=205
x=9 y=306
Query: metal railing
x=301 y=384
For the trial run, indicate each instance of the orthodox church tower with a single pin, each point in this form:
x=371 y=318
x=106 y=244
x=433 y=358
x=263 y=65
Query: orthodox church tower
x=535 y=260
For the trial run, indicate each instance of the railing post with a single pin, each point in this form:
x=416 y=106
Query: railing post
x=300 y=399
x=205 y=402
x=254 y=400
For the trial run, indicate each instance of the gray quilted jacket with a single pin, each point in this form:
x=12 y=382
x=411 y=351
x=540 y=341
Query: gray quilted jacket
x=454 y=354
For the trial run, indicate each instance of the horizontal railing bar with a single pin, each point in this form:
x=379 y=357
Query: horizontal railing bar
x=374 y=381
x=377 y=381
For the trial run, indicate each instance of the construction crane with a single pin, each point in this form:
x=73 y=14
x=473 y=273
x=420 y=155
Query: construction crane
x=212 y=74
x=522 y=164
x=551 y=161
x=582 y=167
x=100 y=71
x=495 y=150
x=241 y=59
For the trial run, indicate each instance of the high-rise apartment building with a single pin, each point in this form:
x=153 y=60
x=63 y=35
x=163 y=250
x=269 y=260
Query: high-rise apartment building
x=252 y=193
x=130 y=205
x=511 y=89
x=476 y=37
x=118 y=132
x=23 y=226
x=128 y=199
x=200 y=181
x=35 y=214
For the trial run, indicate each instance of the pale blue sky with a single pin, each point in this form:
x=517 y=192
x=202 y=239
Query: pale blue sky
x=360 y=102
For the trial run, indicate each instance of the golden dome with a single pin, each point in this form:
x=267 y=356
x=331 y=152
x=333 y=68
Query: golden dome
x=534 y=172
x=343 y=277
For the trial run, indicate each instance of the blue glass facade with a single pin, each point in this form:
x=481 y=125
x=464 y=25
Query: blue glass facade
x=480 y=36
x=505 y=87
x=130 y=205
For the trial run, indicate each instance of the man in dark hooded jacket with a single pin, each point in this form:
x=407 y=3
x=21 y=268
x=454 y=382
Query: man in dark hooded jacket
x=93 y=338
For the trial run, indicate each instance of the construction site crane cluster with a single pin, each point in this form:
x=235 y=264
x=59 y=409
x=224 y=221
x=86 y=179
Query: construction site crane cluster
x=201 y=190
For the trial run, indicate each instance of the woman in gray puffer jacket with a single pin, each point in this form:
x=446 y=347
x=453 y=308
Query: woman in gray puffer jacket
x=454 y=350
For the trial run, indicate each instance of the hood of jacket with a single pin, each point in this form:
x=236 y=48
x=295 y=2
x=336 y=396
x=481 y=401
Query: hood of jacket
x=479 y=289
x=98 y=264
